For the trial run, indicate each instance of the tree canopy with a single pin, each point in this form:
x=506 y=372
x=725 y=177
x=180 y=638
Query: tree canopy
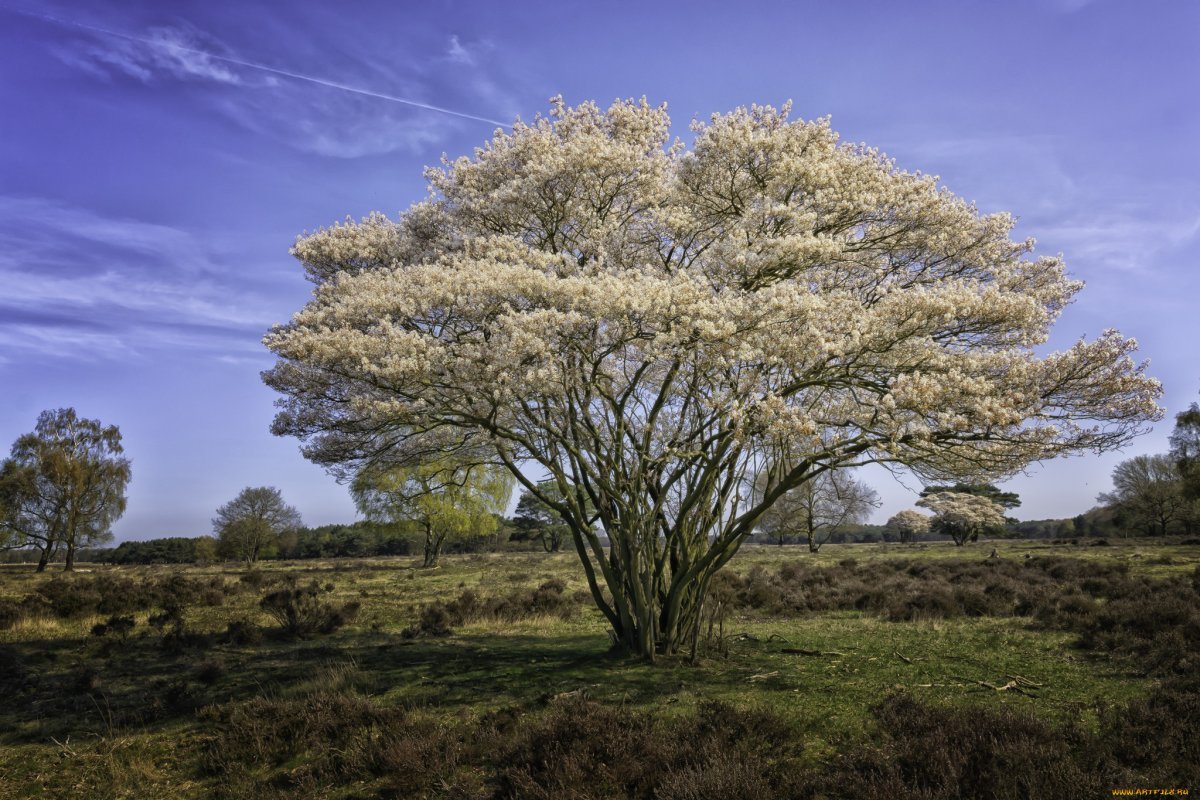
x=963 y=516
x=249 y=524
x=1006 y=500
x=1185 y=449
x=534 y=518
x=447 y=500
x=907 y=525
x=1148 y=493
x=816 y=508
x=654 y=324
x=63 y=486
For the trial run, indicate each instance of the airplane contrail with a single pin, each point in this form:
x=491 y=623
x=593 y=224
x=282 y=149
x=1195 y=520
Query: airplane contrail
x=252 y=65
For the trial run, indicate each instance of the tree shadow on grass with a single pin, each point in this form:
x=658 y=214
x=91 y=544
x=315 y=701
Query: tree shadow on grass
x=75 y=687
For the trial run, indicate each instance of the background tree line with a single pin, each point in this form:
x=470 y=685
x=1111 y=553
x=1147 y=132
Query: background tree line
x=1157 y=495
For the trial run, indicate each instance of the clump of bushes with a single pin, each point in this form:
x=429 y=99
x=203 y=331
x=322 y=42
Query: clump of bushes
x=1053 y=589
x=302 y=611
x=344 y=739
x=10 y=614
x=549 y=598
x=932 y=752
x=242 y=631
x=82 y=596
x=581 y=749
x=118 y=625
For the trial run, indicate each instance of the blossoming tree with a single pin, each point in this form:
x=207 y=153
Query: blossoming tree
x=962 y=516
x=907 y=525
x=654 y=325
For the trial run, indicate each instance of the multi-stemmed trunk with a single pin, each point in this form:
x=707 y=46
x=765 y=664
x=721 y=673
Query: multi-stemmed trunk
x=652 y=589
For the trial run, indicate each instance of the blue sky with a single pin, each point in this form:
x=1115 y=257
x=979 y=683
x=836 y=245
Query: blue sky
x=157 y=159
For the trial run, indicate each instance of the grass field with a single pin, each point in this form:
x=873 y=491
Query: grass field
x=155 y=710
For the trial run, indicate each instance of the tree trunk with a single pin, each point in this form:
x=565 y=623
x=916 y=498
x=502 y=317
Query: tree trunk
x=653 y=607
x=70 y=563
x=433 y=548
x=43 y=559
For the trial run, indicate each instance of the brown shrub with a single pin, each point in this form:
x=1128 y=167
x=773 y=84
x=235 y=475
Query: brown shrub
x=438 y=618
x=11 y=613
x=301 y=612
x=944 y=754
x=328 y=738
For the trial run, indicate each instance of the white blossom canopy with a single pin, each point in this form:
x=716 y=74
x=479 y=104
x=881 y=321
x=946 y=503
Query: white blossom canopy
x=654 y=324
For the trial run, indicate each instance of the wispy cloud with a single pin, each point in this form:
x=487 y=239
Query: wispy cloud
x=458 y=53
x=165 y=52
x=184 y=52
x=365 y=106
x=1034 y=178
x=80 y=284
x=1132 y=241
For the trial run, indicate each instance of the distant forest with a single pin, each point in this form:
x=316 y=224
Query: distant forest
x=366 y=539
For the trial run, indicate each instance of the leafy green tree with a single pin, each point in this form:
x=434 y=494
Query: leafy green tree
x=1148 y=493
x=534 y=518
x=204 y=549
x=63 y=486
x=1185 y=449
x=251 y=523
x=448 y=501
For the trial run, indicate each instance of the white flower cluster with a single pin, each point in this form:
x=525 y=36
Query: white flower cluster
x=619 y=308
x=962 y=516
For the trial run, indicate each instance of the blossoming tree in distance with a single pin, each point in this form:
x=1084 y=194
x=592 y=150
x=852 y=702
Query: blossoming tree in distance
x=963 y=517
x=653 y=325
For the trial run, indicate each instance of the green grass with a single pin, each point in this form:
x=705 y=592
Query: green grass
x=95 y=718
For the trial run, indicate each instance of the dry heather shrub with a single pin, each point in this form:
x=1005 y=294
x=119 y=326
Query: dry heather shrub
x=301 y=611
x=548 y=599
x=904 y=590
x=946 y=754
x=1156 y=739
x=11 y=612
x=324 y=739
x=81 y=596
x=584 y=750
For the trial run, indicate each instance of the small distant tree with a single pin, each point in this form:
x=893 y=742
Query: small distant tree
x=535 y=519
x=446 y=500
x=907 y=525
x=205 y=549
x=63 y=486
x=961 y=516
x=1148 y=493
x=815 y=509
x=250 y=523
